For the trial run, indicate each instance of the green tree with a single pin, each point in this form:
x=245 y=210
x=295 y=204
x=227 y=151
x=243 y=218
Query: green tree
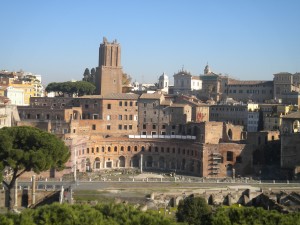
x=251 y=215
x=126 y=79
x=194 y=211
x=24 y=149
x=78 y=88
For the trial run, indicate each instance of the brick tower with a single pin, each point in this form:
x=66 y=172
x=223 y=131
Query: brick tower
x=109 y=70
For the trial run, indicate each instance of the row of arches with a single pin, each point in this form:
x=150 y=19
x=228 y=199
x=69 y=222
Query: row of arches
x=138 y=161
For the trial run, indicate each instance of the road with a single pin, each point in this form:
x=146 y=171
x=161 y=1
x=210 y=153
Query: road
x=102 y=185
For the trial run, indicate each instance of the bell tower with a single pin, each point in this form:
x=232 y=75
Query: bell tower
x=109 y=70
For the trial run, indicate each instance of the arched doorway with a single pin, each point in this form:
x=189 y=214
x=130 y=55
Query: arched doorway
x=161 y=162
x=149 y=161
x=88 y=165
x=97 y=163
x=135 y=161
x=229 y=170
x=173 y=164
x=183 y=164
x=191 y=165
x=121 y=161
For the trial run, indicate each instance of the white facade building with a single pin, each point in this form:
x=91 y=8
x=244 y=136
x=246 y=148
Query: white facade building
x=185 y=83
x=16 y=95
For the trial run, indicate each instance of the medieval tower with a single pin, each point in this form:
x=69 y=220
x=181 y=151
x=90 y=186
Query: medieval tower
x=109 y=70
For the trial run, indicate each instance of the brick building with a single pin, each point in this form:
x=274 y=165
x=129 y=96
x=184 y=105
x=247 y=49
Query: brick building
x=109 y=71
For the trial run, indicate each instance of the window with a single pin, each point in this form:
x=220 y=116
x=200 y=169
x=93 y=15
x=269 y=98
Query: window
x=153 y=126
x=229 y=156
x=125 y=127
x=122 y=148
x=130 y=104
x=135 y=148
x=163 y=126
x=130 y=127
x=120 y=126
x=103 y=149
x=108 y=106
x=108 y=117
x=120 y=117
x=125 y=103
x=116 y=149
x=130 y=117
x=128 y=148
x=107 y=127
x=94 y=127
x=86 y=106
x=145 y=104
x=125 y=117
x=87 y=151
x=162 y=149
x=156 y=149
x=144 y=126
x=120 y=103
x=38 y=116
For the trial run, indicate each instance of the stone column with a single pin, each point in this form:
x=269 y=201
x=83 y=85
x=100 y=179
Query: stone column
x=141 y=164
x=33 y=190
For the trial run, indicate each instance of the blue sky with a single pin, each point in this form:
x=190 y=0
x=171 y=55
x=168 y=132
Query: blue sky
x=249 y=40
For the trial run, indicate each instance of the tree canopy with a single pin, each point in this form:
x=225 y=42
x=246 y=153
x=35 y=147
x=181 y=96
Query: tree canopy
x=126 y=79
x=193 y=211
x=25 y=149
x=78 y=88
x=107 y=214
x=251 y=215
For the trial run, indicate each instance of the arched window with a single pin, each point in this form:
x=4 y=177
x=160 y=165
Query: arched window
x=116 y=149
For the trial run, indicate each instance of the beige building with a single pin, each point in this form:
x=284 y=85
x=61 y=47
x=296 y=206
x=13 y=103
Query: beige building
x=290 y=141
x=285 y=83
x=234 y=114
x=185 y=83
x=245 y=91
